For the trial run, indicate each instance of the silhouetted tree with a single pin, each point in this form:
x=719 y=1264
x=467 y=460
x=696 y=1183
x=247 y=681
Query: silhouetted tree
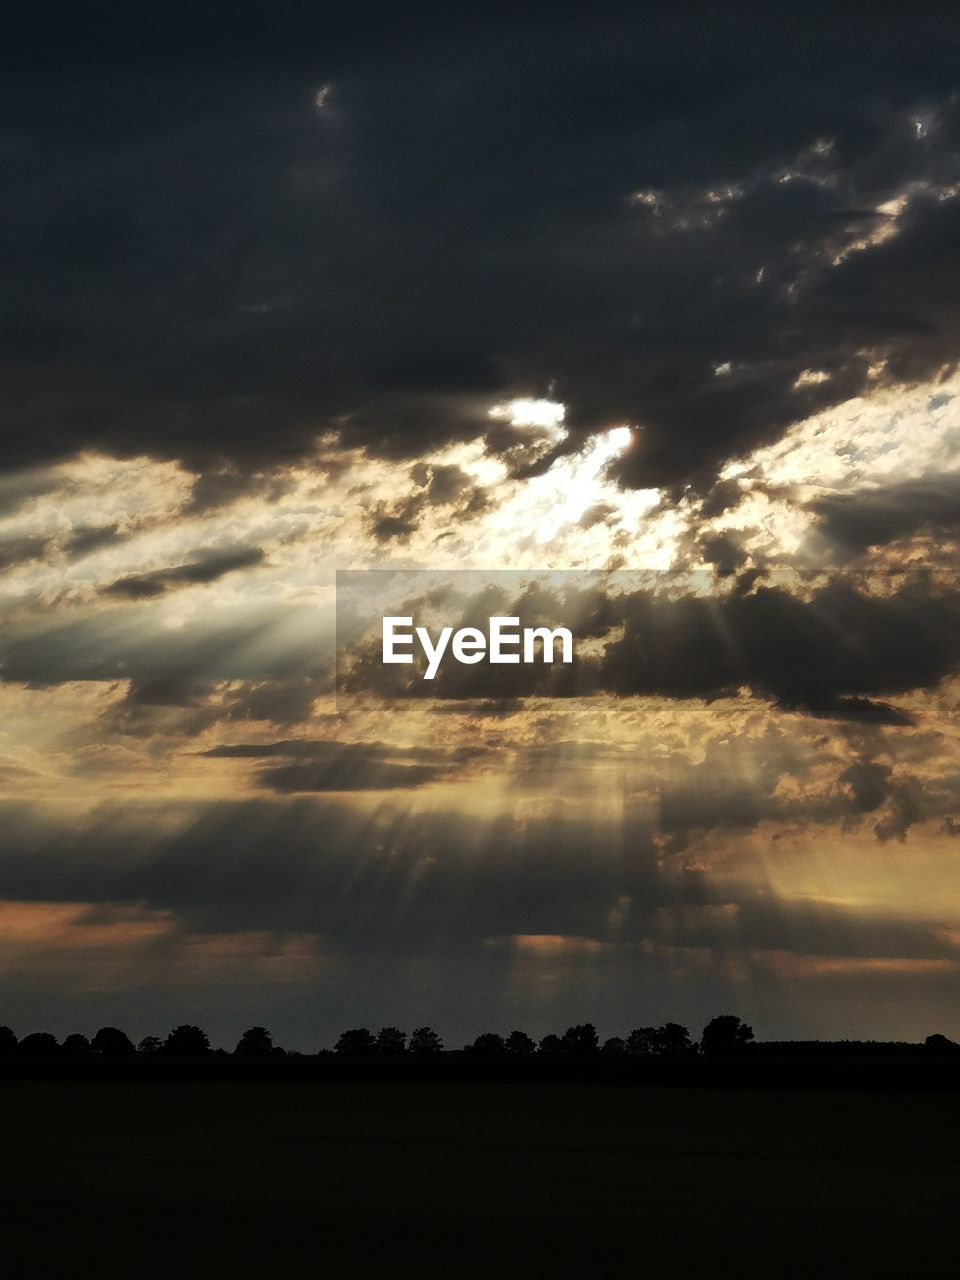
x=425 y=1041
x=487 y=1045
x=725 y=1034
x=150 y=1044
x=614 y=1045
x=391 y=1041
x=520 y=1043
x=38 y=1043
x=581 y=1039
x=186 y=1041
x=674 y=1040
x=76 y=1044
x=643 y=1041
x=8 y=1041
x=111 y=1042
x=941 y=1044
x=255 y=1043
x=550 y=1044
x=356 y=1043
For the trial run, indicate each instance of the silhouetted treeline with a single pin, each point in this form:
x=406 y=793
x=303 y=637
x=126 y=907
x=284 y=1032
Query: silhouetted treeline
x=110 y=1042
x=725 y=1035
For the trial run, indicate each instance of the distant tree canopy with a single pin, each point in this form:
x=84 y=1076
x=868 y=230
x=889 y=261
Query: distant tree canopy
x=487 y=1045
x=424 y=1040
x=111 y=1042
x=391 y=1041
x=941 y=1044
x=643 y=1041
x=38 y=1044
x=670 y=1040
x=186 y=1042
x=257 y=1042
x=356 y=1043
x=674 y=1039
x=520 y=1043
x=580 y=1039
x=725 y=1034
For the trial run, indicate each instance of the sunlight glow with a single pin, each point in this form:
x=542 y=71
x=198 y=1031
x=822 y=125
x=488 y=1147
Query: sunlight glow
x=527 y=412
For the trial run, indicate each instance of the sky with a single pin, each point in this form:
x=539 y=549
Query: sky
x=665 y=295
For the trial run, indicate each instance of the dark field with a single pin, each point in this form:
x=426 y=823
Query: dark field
x=448 y=1179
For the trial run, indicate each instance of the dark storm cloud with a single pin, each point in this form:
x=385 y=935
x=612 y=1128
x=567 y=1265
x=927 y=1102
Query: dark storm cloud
x=495 y=709
x=905 y=809
x=859 y=711
x=86 y=540
x=168 y=691
x=200 y=262
x=217 y=564
x=724 y=551
x=875 y=517
x=371 y=881
x=429 y=486
x=402 y=884
x=314 y=765
x=869 y=784
x=323 y=749
x=180 y=705
x=827 y=654
x=444 y=484
x=839 y=654
x=835 y=653
x=350 y=772
x=738 y=786
x=21 y=551
x=283 y=701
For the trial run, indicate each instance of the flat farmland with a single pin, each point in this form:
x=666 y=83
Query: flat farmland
x=447 y=1179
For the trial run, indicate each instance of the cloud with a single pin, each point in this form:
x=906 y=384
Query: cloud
x=20 y=551
x=494 y=709
x=444 y=486
x=877 y=516
x=147 y=586
x=709 y=195
x=245 y=642
x=707 y=229
x=330 y=766
x=724 y=551
x=393 y=884
x=599 y=513
x=869 y=784
x=350 y=772
x=835 y=648
x=810 y=654
x=860 y=711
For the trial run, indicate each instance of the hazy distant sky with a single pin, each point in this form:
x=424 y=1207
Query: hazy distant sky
x=596 y=287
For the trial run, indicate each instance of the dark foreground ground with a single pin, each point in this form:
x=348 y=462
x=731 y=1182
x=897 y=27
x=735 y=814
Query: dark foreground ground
x=341 y=1179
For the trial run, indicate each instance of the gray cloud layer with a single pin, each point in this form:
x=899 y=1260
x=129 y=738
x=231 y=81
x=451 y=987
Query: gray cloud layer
x=836 y=652
x=200 y=261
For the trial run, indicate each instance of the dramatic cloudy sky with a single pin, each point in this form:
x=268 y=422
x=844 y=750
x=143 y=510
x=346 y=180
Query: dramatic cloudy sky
x=671 y=292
